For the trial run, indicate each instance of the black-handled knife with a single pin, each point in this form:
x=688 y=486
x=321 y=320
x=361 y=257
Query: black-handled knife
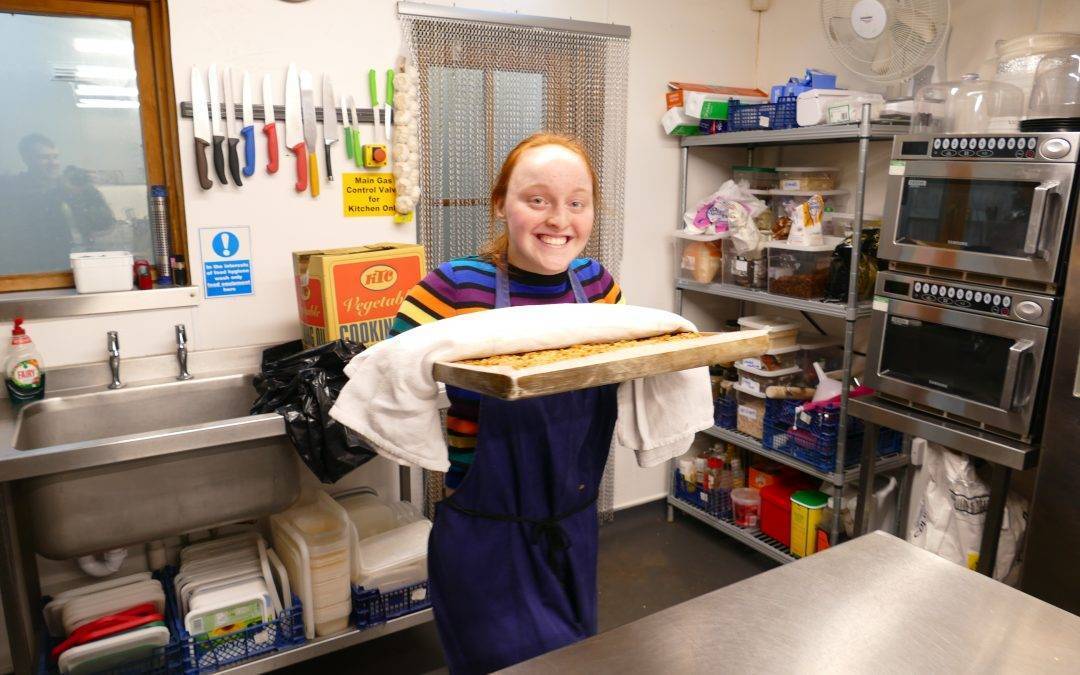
x=201 y=119
x=232 y=131
x=216 y=123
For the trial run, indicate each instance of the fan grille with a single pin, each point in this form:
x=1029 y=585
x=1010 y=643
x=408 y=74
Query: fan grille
x=914 y=32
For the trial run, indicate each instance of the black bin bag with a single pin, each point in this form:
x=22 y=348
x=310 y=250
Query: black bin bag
x=302 y=385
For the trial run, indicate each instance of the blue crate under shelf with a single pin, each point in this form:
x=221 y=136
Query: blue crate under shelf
x=371 y=607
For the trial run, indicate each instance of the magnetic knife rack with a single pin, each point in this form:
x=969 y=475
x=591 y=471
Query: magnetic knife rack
x=363 y=115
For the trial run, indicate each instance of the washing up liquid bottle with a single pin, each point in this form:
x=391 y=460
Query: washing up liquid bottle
x=24 y=371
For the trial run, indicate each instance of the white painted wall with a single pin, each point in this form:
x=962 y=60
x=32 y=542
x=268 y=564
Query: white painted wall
x=712 y=41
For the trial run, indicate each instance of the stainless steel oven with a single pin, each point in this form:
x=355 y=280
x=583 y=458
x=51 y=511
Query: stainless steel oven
x=968 y=352
x=990 y=205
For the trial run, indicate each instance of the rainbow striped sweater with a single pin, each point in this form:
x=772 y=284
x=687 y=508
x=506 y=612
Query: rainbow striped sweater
x=468 y=285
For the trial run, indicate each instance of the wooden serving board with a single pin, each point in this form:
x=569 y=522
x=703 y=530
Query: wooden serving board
x=617 y=365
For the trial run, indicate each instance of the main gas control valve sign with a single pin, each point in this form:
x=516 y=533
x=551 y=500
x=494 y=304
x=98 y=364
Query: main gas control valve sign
x=226 y=256
x=368 y=194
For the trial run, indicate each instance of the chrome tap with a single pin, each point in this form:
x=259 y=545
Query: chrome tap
x=181 y=352
x=114 y=359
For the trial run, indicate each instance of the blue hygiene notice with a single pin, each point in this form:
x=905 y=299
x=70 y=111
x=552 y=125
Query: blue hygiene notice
x=226 y=254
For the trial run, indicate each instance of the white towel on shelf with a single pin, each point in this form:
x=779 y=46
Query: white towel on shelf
x=391 y=399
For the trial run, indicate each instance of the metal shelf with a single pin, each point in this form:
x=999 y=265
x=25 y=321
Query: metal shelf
x=752 y=538
x=739 y=293
x=327 y=645
x=835 y=133
x=849 y=476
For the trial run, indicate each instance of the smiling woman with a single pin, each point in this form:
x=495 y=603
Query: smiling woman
x=90 y=134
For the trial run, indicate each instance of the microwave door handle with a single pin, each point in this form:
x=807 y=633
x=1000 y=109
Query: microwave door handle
x=1038 y=215
x=1012 y=370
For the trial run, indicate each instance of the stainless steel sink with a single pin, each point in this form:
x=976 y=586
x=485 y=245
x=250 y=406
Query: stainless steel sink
x=107 y=468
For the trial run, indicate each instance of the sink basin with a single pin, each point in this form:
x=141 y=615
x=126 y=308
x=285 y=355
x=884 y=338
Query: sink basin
x=134 y=410
x=184 y=456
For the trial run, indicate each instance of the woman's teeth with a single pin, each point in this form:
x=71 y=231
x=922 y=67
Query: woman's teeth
x=554 y=241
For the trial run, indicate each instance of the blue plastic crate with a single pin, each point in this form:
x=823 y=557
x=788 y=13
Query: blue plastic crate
x=716 y=502
x=757 y=116
x=819 y=451
x=725 y=412
x=781 y=410
x=371 y=607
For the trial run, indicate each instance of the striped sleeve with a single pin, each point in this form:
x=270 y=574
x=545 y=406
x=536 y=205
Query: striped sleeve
x=428 y=301
x=598 y=284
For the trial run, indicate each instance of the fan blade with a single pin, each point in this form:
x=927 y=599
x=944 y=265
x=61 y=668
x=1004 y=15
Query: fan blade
x=883 y=58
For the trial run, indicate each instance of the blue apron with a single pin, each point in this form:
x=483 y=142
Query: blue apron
x=512 y=557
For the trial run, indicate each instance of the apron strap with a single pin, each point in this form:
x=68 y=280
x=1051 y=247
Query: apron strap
x=502 y=287
x=548 y=529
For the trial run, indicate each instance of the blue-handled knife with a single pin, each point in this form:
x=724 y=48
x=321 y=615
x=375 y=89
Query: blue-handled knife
x=248 y=130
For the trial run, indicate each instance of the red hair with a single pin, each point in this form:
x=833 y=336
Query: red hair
x=496 y=249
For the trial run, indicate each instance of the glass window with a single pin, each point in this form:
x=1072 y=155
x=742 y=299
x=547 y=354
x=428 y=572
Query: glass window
x=72 y=163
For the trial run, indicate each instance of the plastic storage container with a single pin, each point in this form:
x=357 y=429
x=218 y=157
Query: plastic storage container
x=393 y=559
x=776 y=511
x=757 y=381
x=746 y=507
x=1055 y=92
x=700 y=260
x=782 y=332
x=824 y=349
x=750 y=414
x=808 y=177
x=841 y=224
x=969 y=105
x=756 y=177
x=800 y=271
x=748 y=271
x=102 y=271
x=776 y=359
x=1018 y=58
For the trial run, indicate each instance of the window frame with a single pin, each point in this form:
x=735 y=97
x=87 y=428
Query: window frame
x=154 y=77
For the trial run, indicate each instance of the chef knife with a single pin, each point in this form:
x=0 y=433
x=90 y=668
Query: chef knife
x=201 y=117
x=388 y=105
x=215 y=120
x=311 y=134
x=358 y=151
x=231 y=135
x=346 y=122
x=294 y=127
x=270 y=126
x=373 y=89
x=248 y=130
x=329 y=123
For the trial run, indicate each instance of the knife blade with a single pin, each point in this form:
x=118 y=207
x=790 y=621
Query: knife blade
x=294 y=127
x=346 y=122
x=248 y=130
x=311 y=133
x=201 y=118
x=358 y=151
x=329 y=123
x=270 y=126
x=215 y=121
x=373 y=89
x=231 y=136
x=388 y=105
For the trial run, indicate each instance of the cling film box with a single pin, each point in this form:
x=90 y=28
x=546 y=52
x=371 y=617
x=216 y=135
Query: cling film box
x=354 y=293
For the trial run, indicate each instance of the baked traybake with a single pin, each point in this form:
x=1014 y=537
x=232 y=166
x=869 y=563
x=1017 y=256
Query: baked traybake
x=545 y=356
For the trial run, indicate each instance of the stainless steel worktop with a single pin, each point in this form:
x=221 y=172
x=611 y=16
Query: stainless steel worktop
x=874 y=604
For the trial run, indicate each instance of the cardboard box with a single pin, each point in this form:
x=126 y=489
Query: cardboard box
x=677 y=95
x=354 y=293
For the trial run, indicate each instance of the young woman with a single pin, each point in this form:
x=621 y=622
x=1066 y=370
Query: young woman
x=512 y=556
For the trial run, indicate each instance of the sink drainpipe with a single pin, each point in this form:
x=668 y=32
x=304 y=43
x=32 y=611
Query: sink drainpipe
x=108 y=564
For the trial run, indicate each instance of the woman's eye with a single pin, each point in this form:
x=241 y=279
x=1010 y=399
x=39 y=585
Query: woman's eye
x=537 y=200
x=577 y=204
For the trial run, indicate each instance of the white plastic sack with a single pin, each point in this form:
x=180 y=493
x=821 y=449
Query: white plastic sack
x=731 y=209
x=951 y=512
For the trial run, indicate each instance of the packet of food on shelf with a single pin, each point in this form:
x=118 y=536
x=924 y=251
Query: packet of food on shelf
x=806 y=223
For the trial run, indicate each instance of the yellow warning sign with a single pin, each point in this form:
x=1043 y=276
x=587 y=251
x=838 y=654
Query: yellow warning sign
x=368 y=194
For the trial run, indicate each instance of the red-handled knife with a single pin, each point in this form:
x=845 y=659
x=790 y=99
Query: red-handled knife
x=294 y=127
x=270 y=126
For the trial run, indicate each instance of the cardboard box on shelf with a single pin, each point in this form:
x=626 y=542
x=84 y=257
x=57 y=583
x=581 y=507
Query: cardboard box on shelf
x=709 y=101
x=353 y=293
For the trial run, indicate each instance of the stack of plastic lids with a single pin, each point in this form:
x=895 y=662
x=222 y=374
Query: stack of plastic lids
x=107 y=624
x=226 y=585
x=313 y=540
x=393 y=559
x=371 y=514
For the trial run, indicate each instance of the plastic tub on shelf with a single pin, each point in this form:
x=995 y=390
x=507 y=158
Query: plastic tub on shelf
x=700 y=257
x=746 y=507
x=750 y=414
x=776 y=358
x=103 y=271
x=782 y=332
x=841 y=224
x=783 y=202
x=827 y=350
x=757 y=380
x=756 y=177
x=749 y=270
x=800 y=271
x=808 y=177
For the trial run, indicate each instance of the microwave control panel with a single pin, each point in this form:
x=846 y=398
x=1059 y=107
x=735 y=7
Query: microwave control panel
x=957 y=296
x=1000 y=302
x=990 y=147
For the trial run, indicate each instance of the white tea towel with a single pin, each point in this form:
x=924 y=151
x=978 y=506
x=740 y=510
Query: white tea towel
x=391 y=399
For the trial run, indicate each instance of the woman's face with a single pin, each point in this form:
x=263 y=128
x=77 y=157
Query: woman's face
x=548 y=209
